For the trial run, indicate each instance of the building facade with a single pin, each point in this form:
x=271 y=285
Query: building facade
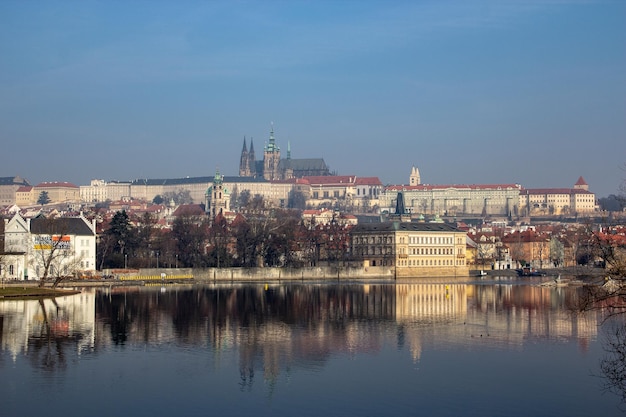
x=67 y=245
x=8 y=188
x=452 y=200
x=413 y=249
x=58 y=192
x=558 y=201
x=504 y=200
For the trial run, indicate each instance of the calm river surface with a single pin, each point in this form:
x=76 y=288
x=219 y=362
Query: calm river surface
x=497 y=347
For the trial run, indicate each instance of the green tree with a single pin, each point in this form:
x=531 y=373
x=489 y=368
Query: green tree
x=43 y=199
x=122 y=238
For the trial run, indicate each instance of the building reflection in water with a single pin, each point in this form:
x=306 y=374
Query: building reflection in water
x=282 y=327
x=48 y=330
x=496 y=315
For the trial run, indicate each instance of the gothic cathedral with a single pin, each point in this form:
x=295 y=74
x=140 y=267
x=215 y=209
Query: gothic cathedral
x=272 y=167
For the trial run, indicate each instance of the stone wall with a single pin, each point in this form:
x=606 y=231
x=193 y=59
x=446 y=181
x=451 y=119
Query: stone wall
x=279 y=274
x=250 y=274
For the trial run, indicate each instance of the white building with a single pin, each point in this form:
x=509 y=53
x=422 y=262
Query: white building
x=68 y=244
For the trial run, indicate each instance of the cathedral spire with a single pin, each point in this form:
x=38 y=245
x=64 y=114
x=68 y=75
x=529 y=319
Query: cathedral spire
x=271 y=146
x=244 y=164
x=271 y=158
x=288 y=149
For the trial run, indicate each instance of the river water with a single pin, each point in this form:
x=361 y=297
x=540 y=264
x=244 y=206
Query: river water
x=433 y=347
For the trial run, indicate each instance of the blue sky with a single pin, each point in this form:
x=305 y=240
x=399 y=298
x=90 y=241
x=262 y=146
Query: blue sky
x=529 y=92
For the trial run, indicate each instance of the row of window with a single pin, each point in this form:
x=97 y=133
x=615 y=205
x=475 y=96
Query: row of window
x=326 y=194
x=430 y=262
x=372 y=240
x=373 y=250
x=427 y=240
x=429 y=251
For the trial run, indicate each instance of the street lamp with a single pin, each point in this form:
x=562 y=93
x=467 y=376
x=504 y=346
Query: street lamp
x=176 y=261
x=125 y=261
x=157 y=256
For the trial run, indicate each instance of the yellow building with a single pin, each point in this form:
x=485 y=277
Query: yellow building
x=413 y=249
x=58 y=192
x=8 y=188
x=25 y=196
x=558 y=201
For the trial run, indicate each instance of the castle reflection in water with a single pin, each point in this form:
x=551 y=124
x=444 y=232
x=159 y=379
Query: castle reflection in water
x=294 y=325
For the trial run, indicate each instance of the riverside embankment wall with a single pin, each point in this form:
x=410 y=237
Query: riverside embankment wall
x=250 y=274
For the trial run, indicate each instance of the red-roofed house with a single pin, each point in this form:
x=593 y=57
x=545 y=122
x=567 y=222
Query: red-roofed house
x=25 y=196
x=368 y=189
x=331 y=188
x=557 y=201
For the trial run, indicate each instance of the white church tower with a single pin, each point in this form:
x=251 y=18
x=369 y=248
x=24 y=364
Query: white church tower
x=414 y=179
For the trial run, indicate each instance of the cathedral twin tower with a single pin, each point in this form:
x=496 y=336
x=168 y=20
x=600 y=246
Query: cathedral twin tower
x=272 y=167
x=268 y=168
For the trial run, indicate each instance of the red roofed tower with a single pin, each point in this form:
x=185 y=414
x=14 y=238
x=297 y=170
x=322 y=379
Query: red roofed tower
x=581 y=184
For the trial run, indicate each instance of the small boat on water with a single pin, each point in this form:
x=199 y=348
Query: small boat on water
x=481 y=273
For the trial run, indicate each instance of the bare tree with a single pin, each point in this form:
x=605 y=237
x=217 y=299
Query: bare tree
x=53 y=250
x=613 y=364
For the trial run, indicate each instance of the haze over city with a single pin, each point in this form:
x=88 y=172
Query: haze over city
x=470 y=92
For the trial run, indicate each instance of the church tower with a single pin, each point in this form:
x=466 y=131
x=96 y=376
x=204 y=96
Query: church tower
x=271 y=158
x=247 y=162
x=217 y=197
x=581 y=184
x=252 y=160
x=414 y=179
x=244 y=165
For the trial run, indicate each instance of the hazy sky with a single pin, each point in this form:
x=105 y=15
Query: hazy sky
x=529 y=92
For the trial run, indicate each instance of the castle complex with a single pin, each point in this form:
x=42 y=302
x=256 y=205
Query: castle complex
x=277 y=180
x=272 y=167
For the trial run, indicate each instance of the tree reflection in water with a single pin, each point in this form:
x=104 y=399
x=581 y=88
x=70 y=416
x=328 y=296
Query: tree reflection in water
x=47 y=347
x=613 y=364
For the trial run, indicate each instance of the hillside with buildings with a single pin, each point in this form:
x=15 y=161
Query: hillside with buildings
x=296 y=212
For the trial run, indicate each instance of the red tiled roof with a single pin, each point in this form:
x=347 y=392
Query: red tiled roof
x=155 y=208
x=331 y=180
x=189 y=210
x=368 y=181
x=24 y=189
x=426 y=187
x=544 y=191
x=581 y=181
